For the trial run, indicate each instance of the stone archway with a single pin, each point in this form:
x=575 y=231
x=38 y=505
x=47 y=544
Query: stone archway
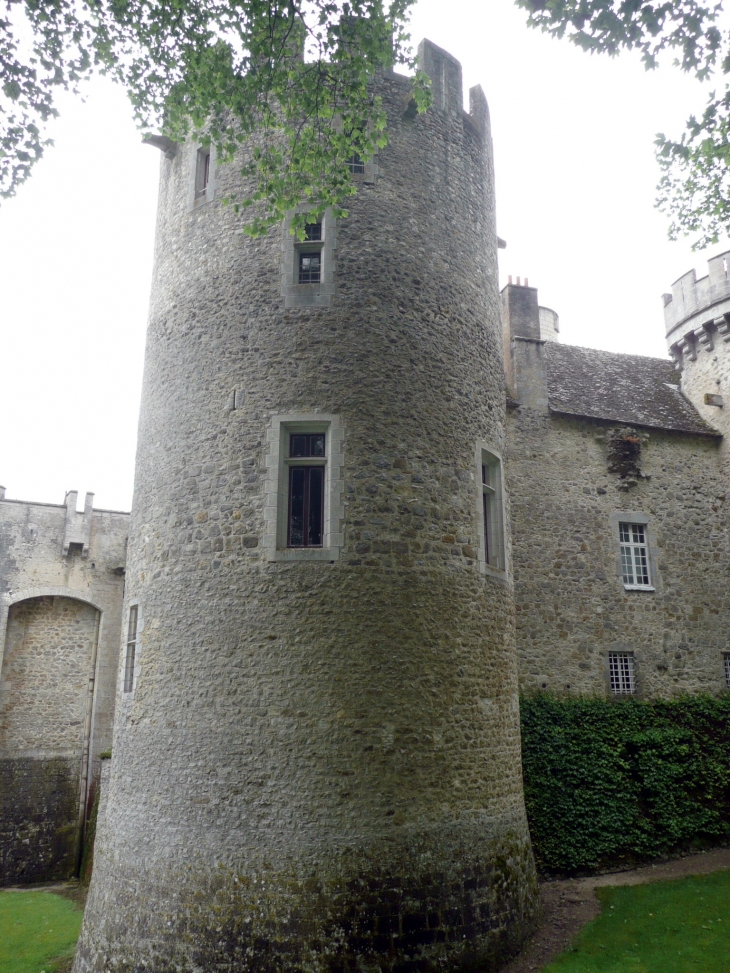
x=45 y=685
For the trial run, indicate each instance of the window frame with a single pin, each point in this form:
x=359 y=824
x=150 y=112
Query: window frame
x=131 y=653
x=492 y=548
x=197 y=195
x=639 y=519
x=726 y=668
x=277 y=494
x=319 y=293
x=622 y=654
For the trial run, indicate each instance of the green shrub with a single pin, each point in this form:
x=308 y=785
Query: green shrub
x=608 y=782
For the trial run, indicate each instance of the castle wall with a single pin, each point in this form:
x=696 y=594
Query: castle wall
x=318 y=764
x=60 y=618
x=572 y=607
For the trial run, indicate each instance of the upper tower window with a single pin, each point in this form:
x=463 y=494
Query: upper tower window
x=310 y=267
x=202 y=174
x=356 y=165
x=313 y=231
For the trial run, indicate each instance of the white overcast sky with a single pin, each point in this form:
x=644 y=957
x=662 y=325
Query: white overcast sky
x=576 y=181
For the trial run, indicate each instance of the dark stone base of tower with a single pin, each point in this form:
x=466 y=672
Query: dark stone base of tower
x=419 y=902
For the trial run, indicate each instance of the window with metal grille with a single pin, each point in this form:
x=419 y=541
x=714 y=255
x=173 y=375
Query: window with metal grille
x=313 y=231
x=305 y=524
x=726 y=660
x=492 y=516
x=634 y=555
x=131 y=649
x=356 y=165
x=310 y=267
x=202 y=174
x=621 y=673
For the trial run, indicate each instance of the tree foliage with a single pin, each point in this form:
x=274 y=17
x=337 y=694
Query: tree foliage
x=297 y=71
x=695 y=186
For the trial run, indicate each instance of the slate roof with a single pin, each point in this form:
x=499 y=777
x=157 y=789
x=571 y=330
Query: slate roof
x=622 y=388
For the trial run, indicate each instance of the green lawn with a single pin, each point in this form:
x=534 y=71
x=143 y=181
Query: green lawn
x=665 y=927
x=37 y=929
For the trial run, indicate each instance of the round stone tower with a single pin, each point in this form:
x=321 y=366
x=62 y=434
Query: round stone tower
x=697 y=321
x=316 y=760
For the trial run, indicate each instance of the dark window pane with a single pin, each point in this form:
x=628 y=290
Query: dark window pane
x=316 y=505
x=485 y=475
x=297 y=486
x=298 y=446
x=309 y=267
x=313 y=231
x=356 y=165
x=317 y=444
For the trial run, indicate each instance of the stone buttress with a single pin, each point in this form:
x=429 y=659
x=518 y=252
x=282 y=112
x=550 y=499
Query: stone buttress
x=317 y=766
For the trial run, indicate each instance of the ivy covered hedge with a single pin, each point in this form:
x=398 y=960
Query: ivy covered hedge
x=608 y=782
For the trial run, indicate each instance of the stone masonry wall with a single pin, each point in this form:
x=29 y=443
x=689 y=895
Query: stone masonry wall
x=318 y=766
x=571 y=604
x=56 y=609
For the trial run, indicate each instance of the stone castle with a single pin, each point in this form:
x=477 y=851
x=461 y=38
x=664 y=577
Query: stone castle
x=371 y=504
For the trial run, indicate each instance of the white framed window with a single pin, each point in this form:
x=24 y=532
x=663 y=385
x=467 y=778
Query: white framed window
x=726 y=664
x=131 y=653
x=635 y=563
x=304 y=508
x=490 y=510
x=621 y=673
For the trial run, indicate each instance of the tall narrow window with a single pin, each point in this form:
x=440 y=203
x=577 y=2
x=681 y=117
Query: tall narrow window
x=131 y=649
x=305 y=525
x=202 y=174
x=726 y=660
x=621 y=673
x=492 y=517
x=634 y=555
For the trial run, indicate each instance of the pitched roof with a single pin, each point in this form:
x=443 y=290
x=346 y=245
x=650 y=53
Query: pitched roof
x=622 y=388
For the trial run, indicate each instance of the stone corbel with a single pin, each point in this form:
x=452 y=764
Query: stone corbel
x=722 y=326
x=688 y=347
x=705 y=337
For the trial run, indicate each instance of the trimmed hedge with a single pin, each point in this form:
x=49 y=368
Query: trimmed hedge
x=611 y=782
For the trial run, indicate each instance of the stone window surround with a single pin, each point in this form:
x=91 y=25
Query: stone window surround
x=487 y=450
x=277 y=487
x=637 y=656
x=309 y=295
x=192 y=202
x=125 y=696
x=635 y=517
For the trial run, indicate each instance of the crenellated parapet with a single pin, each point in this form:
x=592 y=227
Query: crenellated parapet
x=697 y=312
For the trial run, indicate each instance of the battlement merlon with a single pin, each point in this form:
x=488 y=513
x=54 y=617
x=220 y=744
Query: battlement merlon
x=447 y=86
x=78 y=525
x=695 y=302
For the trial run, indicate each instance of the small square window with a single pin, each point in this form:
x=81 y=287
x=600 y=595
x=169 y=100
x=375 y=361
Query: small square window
x=313 y=231
x=131 y=649
x=726 y=661
x=621 y=673
x=202 y=174
x=310 y=267
x=634 y=555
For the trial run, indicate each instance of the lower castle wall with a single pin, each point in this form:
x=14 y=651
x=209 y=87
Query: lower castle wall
x=572 y=608
x=39 y=809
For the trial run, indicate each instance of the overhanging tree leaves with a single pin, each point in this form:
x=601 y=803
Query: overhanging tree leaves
x=695 y=186
x=296 y=71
